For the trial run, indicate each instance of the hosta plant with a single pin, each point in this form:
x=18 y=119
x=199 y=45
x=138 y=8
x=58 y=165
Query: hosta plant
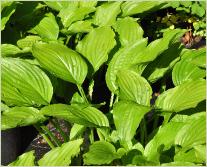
x=128 y=99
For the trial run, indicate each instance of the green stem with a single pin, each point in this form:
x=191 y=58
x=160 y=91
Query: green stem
x=57 y=126
x=68 y=38
x=91 y=136
x=57 y=142
x=44 y=136
x=82 y=93
x=111 y=100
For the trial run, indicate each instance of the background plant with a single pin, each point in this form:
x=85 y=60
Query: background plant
x=97 y=66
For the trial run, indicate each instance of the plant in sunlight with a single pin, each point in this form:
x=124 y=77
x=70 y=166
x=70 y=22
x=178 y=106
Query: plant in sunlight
x=128 y=99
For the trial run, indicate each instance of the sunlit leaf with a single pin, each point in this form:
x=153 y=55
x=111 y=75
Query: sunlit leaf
x=24 y=84
x=106 y=13
x=80 y=114
x=134 y=87
x=178 y=164
x=96 y=45
x=123 y=59
x=127 y=116
x=100 y=152
x=184 y=96
x=20 y=116
x=61 y=61
x=47 y=28
x=71 y=14
x=80 y=26
x=76 y=131
x=9 y=50
x=26 y=159
x=129 y=30
x=28 y=41
x=61 y=156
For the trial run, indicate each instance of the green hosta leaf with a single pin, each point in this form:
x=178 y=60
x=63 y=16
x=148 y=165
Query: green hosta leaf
x=9 y=50
x=24 y=84
x=26 y=159
x=8 y=9
x=134 y=87
x=178 y=164
x=80 y=114
x=123 y=59
x=61 y=61
x=4 y=107
x=100 y=152
x=58 y=5
x=134 y=7
x=96 y=45
x=61 y=156
x=184 y=96
x=184 y=71
x=20 y=116
x=76 y=131
x=129 y=30
x=80 y=26
x=47 y=28
x=71 y=14
x=198 y=10
x=163 y=140
x=127 y=116
x=196 y=57
x=106 y=13
x=192 y=155
x=28 y=41
x=192 y=133
x=91 y=3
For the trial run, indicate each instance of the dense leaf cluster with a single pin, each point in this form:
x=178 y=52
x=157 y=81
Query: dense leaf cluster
x=54 y=56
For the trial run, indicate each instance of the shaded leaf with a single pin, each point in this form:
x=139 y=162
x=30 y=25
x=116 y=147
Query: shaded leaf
x=106 y=13
x=61 y=61
x=184 y=96
x=100 y=152
x=24 y=84
x=129 y=30
x=61 y=156
x=20 y=116
x=127 y=116
x=134 y=87
x=26 y=159
x=96 y=45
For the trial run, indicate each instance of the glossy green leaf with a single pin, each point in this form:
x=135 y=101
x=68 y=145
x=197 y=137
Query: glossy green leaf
x=80 y=114
x=192 y=155
x=100 y=152
x=57 y=5
x=134 y=31
x=80 y=26
x=9 y=50
x=24 y=84
x=61 y=61
x=123 y=59
x=135 y=7
x=178 y=164
x=134 y=87
x=192 y=133
x=106 y=13
x=76 y=131
x=71 y=14
x=28 y=41
x=163 y=140
x=184 y=71
x=47 y=28
x=91 y=3
x=184 y=96
x=26 y=159
x=127 y=116
x=61 y=156
x=20 y=116
x=96 y=45
x=8 y=9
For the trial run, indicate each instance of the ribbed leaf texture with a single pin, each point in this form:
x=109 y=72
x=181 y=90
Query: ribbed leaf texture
x=26 y=159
